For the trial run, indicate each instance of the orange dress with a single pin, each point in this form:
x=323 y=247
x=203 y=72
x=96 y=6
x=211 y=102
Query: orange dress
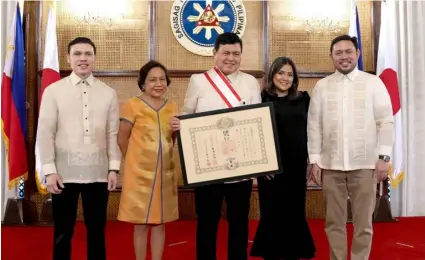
x=149 y=191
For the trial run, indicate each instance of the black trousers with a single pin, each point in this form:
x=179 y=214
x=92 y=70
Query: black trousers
x=64 y=208
x=208 y=200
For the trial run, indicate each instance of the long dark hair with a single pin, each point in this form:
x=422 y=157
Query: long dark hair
x=275 y=68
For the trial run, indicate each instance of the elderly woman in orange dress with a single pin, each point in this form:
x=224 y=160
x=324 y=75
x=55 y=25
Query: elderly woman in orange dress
x=149 y=191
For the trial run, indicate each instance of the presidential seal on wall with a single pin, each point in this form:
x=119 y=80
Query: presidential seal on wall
x=196 y=24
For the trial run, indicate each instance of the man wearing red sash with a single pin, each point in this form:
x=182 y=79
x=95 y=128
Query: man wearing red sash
x=223 y=86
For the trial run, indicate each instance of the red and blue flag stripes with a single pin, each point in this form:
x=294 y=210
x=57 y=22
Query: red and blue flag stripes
x=13 y=105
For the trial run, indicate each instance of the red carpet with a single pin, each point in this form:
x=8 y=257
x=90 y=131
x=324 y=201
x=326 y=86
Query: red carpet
x=404 y=240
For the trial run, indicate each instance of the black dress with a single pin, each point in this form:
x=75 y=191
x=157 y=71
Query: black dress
x=283 y=231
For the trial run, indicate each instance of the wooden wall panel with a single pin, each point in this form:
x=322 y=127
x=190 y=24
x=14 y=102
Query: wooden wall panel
x=307 y=39
x=122 y=43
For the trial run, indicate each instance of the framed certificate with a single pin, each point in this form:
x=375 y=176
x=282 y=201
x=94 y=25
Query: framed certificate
x=228 y=144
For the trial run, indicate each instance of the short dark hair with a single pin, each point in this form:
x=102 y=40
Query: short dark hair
x=345 y=37
x=227 y=38
x=81 y=40
x=144 y=70
x=274 y=68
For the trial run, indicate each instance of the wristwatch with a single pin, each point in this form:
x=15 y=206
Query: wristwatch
x=116 y=171
x=385 y=158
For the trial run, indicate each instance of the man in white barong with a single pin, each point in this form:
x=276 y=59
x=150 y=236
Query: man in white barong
x=350 y=139
x=221 y=87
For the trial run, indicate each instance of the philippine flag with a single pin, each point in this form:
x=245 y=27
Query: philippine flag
x=13 y=100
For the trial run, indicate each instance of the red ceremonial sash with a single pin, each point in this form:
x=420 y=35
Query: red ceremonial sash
x=224 y=88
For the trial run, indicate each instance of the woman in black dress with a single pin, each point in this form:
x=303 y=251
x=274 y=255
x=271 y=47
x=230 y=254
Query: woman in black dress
x=283 y=231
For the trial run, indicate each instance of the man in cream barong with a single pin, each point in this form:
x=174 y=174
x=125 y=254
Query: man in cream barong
x=223 y=86
x=79 y=153
x=350 y=138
